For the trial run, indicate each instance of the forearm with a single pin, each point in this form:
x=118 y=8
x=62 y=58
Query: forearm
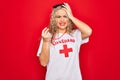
x=83 y=27
x=45 y=53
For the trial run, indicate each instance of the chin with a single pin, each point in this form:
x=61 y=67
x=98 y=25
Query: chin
x=62 y=27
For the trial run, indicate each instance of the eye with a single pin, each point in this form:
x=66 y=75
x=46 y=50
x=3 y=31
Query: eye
x=58 y=16
x=65 y=16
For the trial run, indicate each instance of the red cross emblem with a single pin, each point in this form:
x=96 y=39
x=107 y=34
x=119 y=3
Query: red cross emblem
x=66 y=50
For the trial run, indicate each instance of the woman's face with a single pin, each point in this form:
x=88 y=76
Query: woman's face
x=61 y=19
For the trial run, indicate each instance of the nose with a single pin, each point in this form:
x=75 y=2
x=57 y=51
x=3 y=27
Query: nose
x=62 y=19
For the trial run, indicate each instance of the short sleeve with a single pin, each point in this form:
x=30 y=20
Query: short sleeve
x=40 y=48
x=85 y=40
x=79 y=37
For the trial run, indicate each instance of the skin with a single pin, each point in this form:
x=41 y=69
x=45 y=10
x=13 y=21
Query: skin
x=61 y=20
x=62 y=17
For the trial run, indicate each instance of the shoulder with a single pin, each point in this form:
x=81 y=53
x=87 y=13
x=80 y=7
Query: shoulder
x=76 y=31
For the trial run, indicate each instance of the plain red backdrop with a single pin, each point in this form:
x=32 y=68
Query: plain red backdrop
x=21 y=22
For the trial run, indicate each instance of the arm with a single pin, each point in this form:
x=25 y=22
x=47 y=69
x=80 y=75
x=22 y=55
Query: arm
x=45 y=52
x=86 y=31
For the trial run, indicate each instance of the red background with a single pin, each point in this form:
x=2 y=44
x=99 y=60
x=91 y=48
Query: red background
x=21 y=22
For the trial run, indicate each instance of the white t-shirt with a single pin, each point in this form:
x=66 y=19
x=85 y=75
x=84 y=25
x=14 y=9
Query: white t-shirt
x=64 y=57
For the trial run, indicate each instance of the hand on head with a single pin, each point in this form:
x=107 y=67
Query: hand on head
x=68 y=9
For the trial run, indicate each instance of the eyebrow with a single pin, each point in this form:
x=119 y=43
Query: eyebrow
x=61 y=16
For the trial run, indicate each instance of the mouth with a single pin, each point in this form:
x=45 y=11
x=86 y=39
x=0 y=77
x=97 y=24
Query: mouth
x=62 y=23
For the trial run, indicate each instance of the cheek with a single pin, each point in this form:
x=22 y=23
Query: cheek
x=67 y=21
x=57 y=21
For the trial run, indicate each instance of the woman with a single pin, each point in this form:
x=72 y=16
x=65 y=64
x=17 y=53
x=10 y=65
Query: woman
x=60 y=44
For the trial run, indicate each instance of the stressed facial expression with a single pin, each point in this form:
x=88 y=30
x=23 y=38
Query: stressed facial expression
x=61 y=19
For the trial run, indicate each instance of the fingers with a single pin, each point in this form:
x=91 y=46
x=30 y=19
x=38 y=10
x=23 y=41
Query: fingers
x=45 y=30
x=66 y=5
x=67 y=8
x=46 y=33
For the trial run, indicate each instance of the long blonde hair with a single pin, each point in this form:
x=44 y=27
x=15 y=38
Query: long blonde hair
x=53 y=26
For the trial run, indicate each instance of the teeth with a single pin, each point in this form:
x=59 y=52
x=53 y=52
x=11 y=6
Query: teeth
x=62 y=24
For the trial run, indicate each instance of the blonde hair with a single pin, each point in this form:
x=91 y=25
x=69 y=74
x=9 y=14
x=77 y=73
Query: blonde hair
x=53 y=26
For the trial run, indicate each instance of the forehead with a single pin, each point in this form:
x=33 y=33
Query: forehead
x=60 y=12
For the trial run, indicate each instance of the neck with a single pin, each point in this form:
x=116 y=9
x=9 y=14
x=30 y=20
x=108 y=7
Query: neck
x=61 y=31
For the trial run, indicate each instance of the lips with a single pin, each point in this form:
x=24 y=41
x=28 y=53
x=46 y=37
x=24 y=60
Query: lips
x=62 y=23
